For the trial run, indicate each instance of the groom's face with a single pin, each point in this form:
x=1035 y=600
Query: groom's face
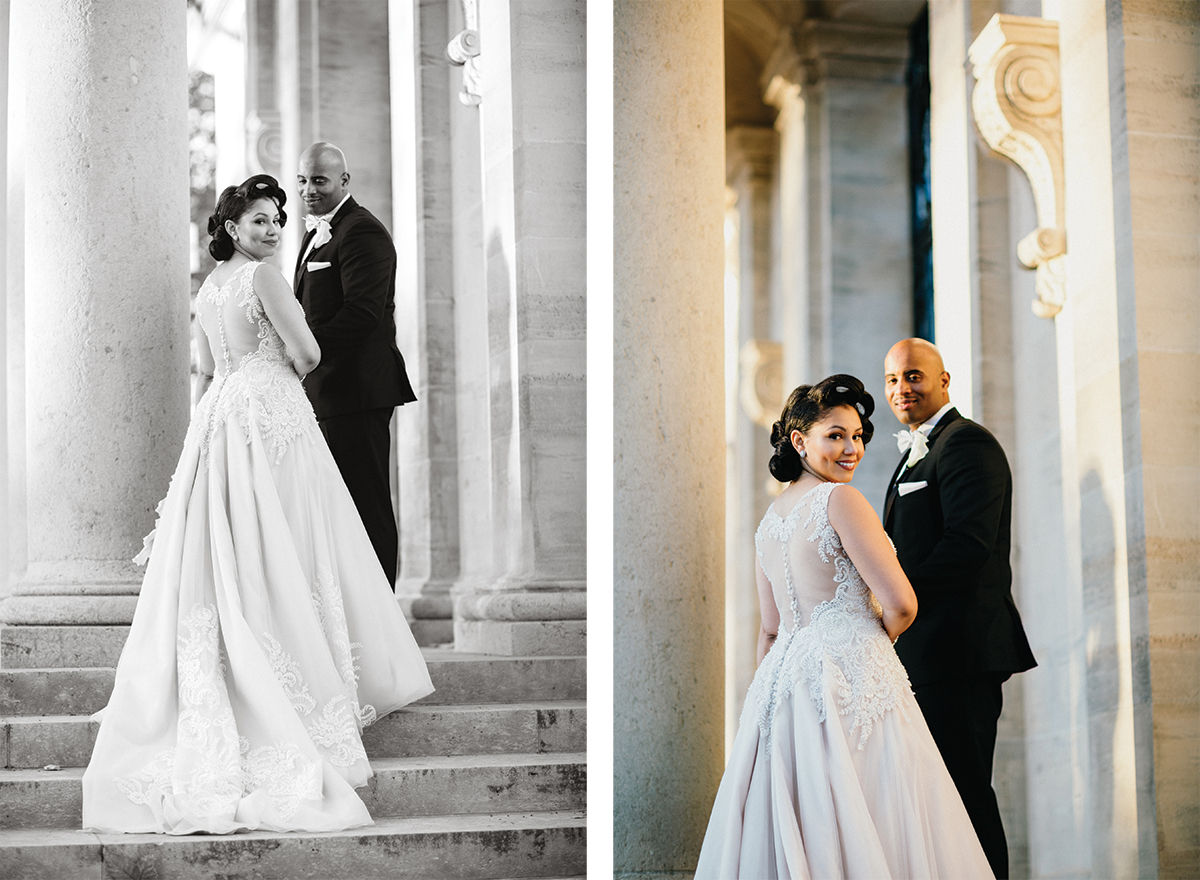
x=915 y=383
x=322 y=183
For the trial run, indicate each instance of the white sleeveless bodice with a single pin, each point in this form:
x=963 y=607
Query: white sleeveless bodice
x=830 y=624
x=254 y=379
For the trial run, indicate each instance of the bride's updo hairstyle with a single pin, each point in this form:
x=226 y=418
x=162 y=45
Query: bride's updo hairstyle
x=234 y=202
x=806 y=406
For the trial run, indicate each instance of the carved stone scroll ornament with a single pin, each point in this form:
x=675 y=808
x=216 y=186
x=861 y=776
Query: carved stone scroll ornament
x=264 y=137
x=761 y=387
x=464 y=50
x=1018 y=110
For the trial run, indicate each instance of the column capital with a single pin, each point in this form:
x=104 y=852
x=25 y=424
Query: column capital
x=1017 y=104
x=783 y=74
x=750 y=151
x=820 y=50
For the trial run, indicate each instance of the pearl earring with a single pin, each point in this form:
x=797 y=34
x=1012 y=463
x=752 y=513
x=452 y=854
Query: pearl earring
x=803 y=454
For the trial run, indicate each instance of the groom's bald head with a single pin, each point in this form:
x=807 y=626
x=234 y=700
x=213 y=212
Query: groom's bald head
x=322 y=177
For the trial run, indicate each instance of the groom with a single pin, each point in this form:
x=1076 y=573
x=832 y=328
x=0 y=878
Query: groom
x=346 y=282
x=948 y=510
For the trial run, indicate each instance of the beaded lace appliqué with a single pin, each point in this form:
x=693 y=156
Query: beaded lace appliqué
x=211 y=767
x=327 y=602
x=843 y=640
x=262 y=388
x=287 y=673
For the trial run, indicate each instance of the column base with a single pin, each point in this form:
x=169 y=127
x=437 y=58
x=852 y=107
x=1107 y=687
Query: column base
x=522 y=623
x=429 y=608
x=68 y=610
x=88 y=593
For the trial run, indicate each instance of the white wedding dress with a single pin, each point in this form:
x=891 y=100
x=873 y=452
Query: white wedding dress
x=833 y=773
x=266 y=635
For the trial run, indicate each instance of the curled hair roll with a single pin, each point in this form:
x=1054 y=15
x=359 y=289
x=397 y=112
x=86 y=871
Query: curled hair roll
x=786 y=464
x=233 y=204
x=806 y=406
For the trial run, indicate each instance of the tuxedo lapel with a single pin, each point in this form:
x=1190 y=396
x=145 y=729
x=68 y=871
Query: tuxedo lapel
x=891 y=492
x=299 y=274
x=950 y=415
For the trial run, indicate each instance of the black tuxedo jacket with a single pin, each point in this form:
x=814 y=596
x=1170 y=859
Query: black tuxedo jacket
x=952 y=538
x=347 y=287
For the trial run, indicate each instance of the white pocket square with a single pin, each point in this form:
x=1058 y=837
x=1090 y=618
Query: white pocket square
x=317 y=264
x=905 y=488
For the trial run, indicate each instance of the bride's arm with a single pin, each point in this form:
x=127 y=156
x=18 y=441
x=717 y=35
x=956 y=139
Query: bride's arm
x=867 y=545
x=205 y=362
x=287 y=317
x=769 y=628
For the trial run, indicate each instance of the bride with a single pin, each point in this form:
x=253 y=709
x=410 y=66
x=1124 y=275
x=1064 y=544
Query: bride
x=833 y=772
x=266 y=635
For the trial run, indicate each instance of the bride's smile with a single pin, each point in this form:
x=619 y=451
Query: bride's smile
x=834 y=446
x=256 y=233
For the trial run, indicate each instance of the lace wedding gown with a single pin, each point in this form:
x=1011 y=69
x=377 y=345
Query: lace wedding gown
x=833 y=773
x=266 y=635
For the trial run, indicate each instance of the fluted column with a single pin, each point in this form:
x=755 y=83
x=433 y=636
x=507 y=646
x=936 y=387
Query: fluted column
x=533 y=211
x=668 y=430
x=106 y=330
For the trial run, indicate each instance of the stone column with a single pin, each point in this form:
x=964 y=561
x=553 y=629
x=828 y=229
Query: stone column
x=669 y=480
x=750 y=162
x=346 y=88
x=953 y=157
x=472 y=393
x=1129 y=121
x=1097 y=444
x=532 y=137
x=851 y=212
x=12 y=321
x=783 y=76
x=427 y=443
x=106 y=266
x=1158 y=260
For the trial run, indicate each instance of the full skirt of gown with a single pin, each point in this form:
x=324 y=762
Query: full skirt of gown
x=807 y=802
x=265 y=637
x=833 y=772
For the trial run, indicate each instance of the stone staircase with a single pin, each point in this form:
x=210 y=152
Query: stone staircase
x=485 y=778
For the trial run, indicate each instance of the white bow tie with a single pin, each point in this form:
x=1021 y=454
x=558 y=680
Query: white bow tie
x=324 y=231
x=915 y=443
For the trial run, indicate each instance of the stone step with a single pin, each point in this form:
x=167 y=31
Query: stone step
x=480 y=847
x=458 y=679
x=540 y=728
x=39 y=647
x=402 y=787
x=462 y=678
x=33 y=741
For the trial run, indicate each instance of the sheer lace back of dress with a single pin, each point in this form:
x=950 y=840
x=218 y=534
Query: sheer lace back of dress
x=235 y=323
x=829 y=621
x=254 y=379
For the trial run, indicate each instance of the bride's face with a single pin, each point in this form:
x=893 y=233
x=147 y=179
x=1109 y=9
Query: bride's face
x=834 y=445
x=257 y=231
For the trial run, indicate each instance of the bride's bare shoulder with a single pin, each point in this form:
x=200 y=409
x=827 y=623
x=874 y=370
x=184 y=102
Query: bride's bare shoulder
x=850 y=508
